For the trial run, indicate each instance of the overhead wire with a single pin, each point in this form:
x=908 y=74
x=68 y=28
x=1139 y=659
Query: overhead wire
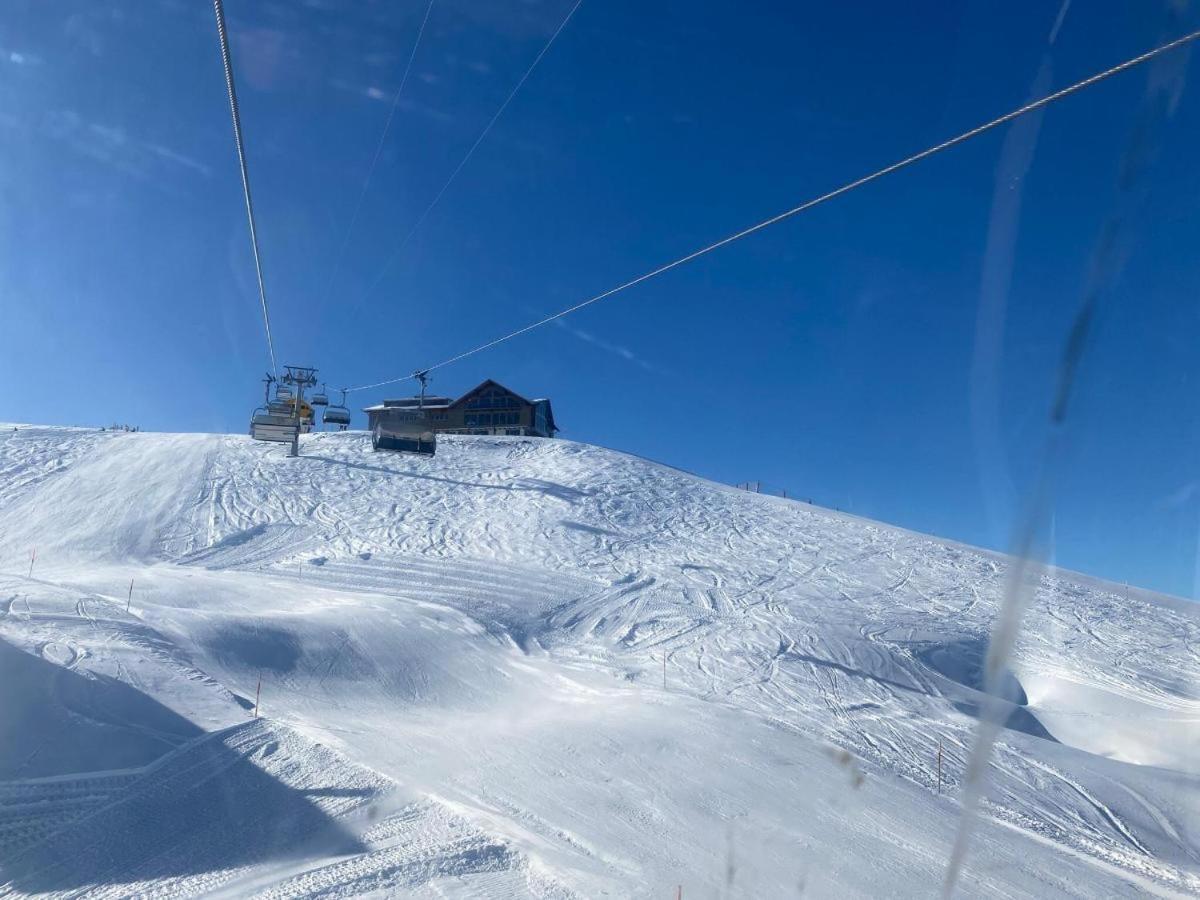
x=387 y=125
x=808 y=204
x=223 y=35
x=475 y=146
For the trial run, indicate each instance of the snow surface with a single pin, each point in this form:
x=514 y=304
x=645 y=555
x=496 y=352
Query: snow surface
x=464 y=691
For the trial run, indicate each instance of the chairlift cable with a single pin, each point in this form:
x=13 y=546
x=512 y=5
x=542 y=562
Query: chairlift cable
x=475 y=146
x=219 y=10
x=387 y=125
x=816 y=201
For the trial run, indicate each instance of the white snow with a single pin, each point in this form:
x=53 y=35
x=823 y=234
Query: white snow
x=464 y=691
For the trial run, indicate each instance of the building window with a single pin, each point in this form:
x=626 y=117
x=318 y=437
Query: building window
x=494 y=398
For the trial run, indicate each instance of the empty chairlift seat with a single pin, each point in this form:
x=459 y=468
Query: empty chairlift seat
x=267 y=425
x=408 y=430
x=337 y=414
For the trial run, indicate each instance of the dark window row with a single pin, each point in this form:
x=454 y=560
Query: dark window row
x=492 y=419
x=494 y=400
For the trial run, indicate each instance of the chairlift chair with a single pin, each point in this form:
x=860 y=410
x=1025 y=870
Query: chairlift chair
x=405 y=429
x=320 y=398
x=266 y=426
x=337 y=414
x=276 y=420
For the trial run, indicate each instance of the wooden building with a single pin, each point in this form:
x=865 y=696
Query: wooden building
x=490 y=408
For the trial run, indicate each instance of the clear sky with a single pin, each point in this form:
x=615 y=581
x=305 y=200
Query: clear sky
x=892 y=353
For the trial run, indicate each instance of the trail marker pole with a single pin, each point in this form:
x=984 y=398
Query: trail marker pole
x=257 y=694
x=129 y=599
x=32 y=558
x=939 y=766
x=664 y=670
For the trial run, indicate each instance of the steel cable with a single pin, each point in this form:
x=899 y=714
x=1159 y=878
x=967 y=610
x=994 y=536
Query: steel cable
x=809 y=204
x=387 y=125
x=479 y=140
x=219 y=10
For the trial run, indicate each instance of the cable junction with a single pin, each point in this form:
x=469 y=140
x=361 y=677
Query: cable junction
x=809 y=204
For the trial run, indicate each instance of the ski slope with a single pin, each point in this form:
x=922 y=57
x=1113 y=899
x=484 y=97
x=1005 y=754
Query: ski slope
x=533 y=668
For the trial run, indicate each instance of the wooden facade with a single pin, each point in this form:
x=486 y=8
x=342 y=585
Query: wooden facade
x=489 y=408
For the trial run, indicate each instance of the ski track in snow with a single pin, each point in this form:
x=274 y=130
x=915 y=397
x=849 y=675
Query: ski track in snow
x=463 y=663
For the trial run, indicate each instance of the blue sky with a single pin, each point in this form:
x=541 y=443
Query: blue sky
x=893 y=353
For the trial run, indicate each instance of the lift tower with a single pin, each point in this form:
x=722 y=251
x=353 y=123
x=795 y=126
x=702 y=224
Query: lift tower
x=299 y=377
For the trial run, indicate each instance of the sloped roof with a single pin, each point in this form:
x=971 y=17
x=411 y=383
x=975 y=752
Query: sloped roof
x=484 y=384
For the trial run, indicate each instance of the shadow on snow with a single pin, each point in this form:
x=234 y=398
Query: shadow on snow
x=205 y=806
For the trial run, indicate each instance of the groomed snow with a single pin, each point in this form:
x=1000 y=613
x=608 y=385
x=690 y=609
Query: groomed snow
x=530 y=668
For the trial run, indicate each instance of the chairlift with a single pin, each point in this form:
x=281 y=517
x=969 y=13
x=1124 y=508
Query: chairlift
x=274 y=421
x=337 y=414
x=404 y=428
x=320 y=398
x=266 y=426
x=408 y=430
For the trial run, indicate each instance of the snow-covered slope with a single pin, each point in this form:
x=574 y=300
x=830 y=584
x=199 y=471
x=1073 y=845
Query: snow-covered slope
x=541 y=668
